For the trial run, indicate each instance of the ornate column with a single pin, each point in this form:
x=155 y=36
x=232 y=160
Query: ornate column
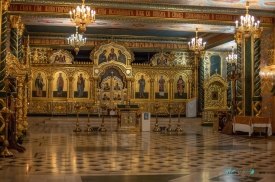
x=50 y=87
x=171 y=92
x=251 y=93
x=16 y=32
x=20 y=81
x=3 y=36
x=239 y=84
x=132 y=87
x=95 y=89
x=91 y=79
x=200 y=87
x=257 y=98
x=71 y=90
x=152 y=93
x=25 y=104
x=128 y=89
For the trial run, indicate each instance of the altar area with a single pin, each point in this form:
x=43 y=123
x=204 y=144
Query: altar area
x=109 y=78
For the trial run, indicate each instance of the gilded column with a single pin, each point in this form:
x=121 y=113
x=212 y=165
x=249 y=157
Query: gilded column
x=50 y=87
x=152 y=93
x=16 y=32
x=197 y=58
x=25 y=104
x=228 y=93
x=71 y=90
x=257 y=99
x=91 y=88
x=128 y=89
x=239 y=84
x=4 y=25
x=171 y=92
x=200 y=87
x=132 y=87
x=95 y=90
x=20 y=80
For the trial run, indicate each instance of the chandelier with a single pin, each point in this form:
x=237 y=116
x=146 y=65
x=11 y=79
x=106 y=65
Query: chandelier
x=232 y=59
x=76 y=41
x=248 y=25
x=196 y=44
x=82 y=16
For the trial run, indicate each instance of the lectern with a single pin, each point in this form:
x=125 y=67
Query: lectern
x=128 y=118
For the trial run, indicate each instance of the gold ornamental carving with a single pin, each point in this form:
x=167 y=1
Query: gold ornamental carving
x=258 y=33
x=238 y=37
x=108 y=43
x=15 y=21
x=21 y=28
x=5 y=4
x=14 y=67
x=215 y=92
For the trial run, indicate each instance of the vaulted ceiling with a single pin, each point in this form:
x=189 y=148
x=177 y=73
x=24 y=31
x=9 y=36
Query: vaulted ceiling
x=145 y=25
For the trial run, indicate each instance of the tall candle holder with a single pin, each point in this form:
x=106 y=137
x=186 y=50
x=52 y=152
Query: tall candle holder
x=156 y=107
x=103 y=108
x=169 y=108
x=178 y=129
x=89 y=129
x=6 y=113
x=77 y=108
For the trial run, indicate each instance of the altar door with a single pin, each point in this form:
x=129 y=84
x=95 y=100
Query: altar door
x=112 y=92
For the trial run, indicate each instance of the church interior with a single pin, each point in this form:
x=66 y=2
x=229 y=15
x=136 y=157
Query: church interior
x=137 y=90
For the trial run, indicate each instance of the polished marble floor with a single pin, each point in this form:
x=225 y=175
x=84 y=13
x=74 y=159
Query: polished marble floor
x=56 y=154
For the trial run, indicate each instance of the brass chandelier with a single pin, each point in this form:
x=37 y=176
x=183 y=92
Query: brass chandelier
x=82 y=16
x=196 y=44
x=76 y=41
x=248 y=25
x=232 y=59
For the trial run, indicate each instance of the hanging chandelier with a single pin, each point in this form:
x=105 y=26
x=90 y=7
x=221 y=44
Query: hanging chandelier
x=232 y=59
x=82 y=16
x=248 y=25
x=196 y=44
x=76 y=41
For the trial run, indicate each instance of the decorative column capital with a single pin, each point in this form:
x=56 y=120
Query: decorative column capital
x=15 y=21
x=6 y=4
x=49 y=78
x=258 y=33
x=71 y=78
x=152 y=80
x=171 y=80
x=238 y=37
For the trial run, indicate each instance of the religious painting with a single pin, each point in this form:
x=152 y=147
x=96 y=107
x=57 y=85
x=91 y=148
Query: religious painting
x=180 y=87
x=116 y=75
x=112 y=51
x=141 y=86
x=81 y=85
x=215 y=65
x=161 y=87
x=60 y=85
x=113 y=54
x=60 y=57
x=161 y=59
x=39 y=84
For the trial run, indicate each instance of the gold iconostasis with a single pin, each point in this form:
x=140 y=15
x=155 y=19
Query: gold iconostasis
x=107 y=78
